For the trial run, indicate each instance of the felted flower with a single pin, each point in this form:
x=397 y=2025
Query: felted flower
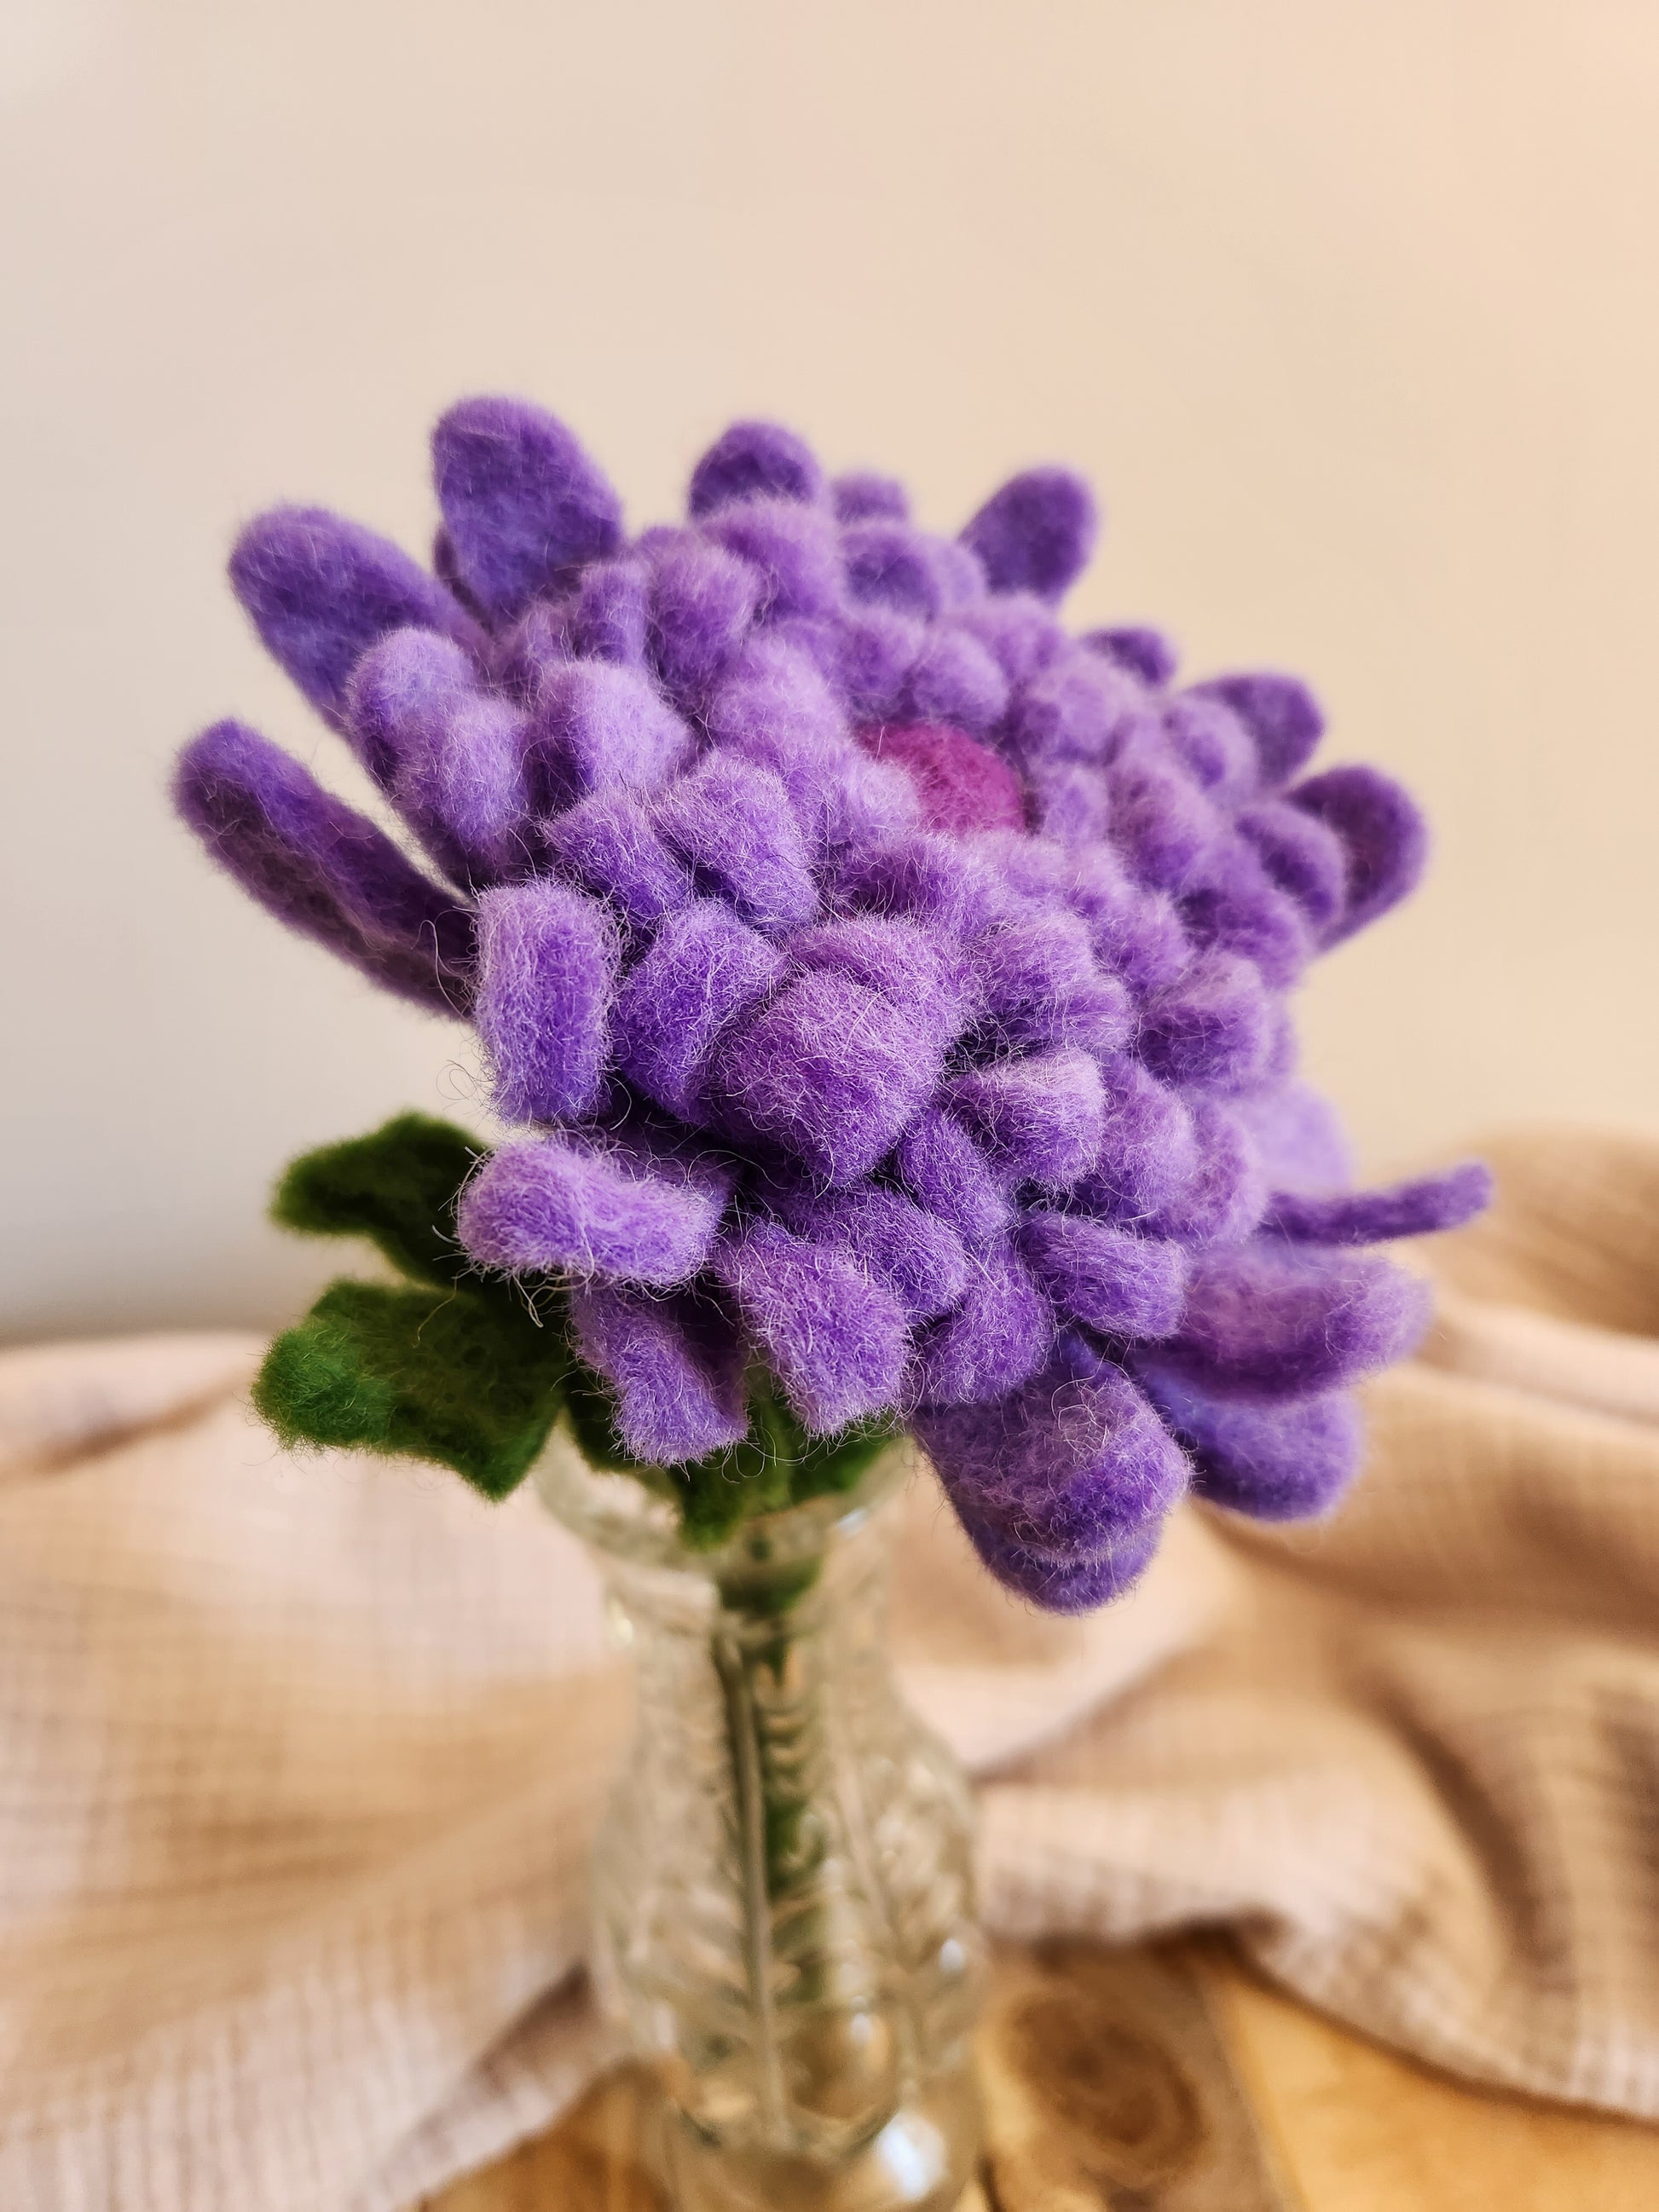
x=890 y=988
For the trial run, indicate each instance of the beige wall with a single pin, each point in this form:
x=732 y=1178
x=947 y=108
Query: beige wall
x=1352 y=313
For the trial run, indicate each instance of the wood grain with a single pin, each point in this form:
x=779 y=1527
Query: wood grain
x=1168 y=2078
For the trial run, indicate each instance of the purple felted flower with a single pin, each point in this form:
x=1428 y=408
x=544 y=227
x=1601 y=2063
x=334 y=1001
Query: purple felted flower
x=890 y=988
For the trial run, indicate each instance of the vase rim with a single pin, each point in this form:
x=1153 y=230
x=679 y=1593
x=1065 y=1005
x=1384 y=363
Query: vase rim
x=630 y=1519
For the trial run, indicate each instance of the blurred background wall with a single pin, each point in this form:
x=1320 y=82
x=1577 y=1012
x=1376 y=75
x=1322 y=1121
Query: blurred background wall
x=1351 y=312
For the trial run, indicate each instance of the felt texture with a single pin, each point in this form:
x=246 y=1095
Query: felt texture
x=598 y=724
x=524 y=506
x=1144 y=652
x=830 y=1070
x=752 y=461
x=321 y=590
x=547 y=966
x=701 y=968
x=834 y=1337
x=1420 y=1207
x=608 y=842
x=1383 y=837
x=921 y=1259
x=676 y=1365
x=1212 y=1030
x=963 y=785
x=735 y=826
x=1285 y=720
x=1121 y=1284
x=951 y=1176
x=396 y=1187
x=1281 y=1462
x=1040 y=1118
x=323 y=869
x=1074 y=1460
x=1262 y=1322
x=865 y=496
x=996 y=1337
x=1037 y=533
x=554 y=1206
x=889 y=989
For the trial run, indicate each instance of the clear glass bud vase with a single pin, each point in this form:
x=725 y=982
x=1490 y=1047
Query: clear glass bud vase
x=782 y=1885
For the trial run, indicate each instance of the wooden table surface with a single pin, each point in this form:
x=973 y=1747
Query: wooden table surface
x=1170 y=2079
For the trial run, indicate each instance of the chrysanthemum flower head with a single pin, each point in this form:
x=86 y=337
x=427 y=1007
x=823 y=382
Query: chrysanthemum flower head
x=891 y=987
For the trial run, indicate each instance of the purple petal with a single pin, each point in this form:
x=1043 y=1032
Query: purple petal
x=524 y=505
x=1383 y=833
x=1149 y=1152
x=677 y=1365
x=321 y=590
x=1037 y=533
x=555 y=1206
x=955 y=680
x=864 y=496
x=921 y=1259
x=1282 y=717
x=608 y=842
x=598 y=727
x=1274 y=1462
x=1300 y=856
x=1213 y=1029
x=1417 y=1209
x=1117 y=1282
x=1145 y=652
x=1076 y=1586
x=547 y=969
x=794 y=548
x=1265 y=1323
x=830 y=1070
x=998 y=1335
x=1064 y=1467
x=939 y=1162
x=754 y=460
x=700 y=971
x=605 y=619
x=894 y=958
x=1222 y=1199
x=734 y=824
x=836 y=1339
x=1040 y=1118
x=703 y=602
x=322 y=869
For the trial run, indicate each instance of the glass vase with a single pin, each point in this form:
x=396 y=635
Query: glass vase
x=782 y=1889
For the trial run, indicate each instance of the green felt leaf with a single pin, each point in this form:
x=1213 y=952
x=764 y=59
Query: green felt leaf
x=448 y=1376
x=396 y=1187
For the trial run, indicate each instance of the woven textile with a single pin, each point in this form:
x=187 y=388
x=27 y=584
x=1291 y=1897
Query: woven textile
x=298 y=1759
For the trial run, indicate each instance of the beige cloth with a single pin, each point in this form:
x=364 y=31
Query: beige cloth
x=298 y=1759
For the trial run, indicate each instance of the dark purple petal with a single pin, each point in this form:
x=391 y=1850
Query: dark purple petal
x=1037 y=533
x=1264 y=1321
x=864 y=496
x=1282 y=717
x=1040 y=1118
x=1274 y=1462
x=1212 y=1030
x=1300 y=856
x=1065 y=1468
x=734 y=824
x=1383 y=833
x=754 y=460
x=701 y=969
x=321 y=591
x=1416 y=1208
x=999 y=1334
x=830 y=1070
x=524 y=505
x=941 y=1164
x=1145 y=652
x=1117 y=1282
x=323 y=869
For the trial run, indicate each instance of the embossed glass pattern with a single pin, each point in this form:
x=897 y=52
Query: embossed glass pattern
x=782 y=1885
